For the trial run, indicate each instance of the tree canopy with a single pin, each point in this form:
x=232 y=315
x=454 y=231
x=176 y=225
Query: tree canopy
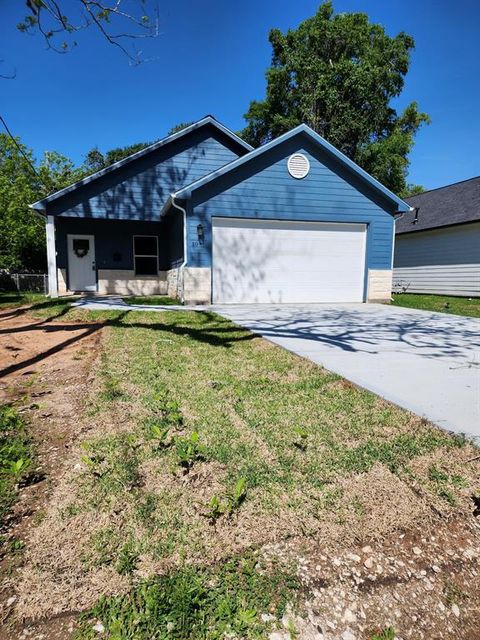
x=96 y=160
x=22 y=234
x=179 y=127
x=339 y=73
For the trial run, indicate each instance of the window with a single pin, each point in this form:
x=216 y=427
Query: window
x=145 y=254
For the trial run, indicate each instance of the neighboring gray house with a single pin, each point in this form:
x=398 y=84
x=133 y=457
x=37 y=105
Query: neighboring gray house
x=437 y=245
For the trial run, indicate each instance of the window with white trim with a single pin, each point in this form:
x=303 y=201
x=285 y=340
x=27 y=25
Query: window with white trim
x=145 y=255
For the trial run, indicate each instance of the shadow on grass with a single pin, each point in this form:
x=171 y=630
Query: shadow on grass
x=221 y=334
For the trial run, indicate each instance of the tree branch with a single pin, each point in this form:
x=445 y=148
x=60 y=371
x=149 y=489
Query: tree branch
x=50 y=21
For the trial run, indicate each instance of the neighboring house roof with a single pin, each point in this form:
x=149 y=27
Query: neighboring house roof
x=453 y=204
x=185 y=192
x=208 y=120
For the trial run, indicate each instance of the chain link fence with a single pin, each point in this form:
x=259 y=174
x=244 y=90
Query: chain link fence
x=23 y=282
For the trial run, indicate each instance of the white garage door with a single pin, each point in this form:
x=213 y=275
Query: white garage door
x=269 y=261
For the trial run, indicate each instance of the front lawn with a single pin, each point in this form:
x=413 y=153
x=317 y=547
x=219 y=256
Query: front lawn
x=444 y=304
x=202 y=446
x=151 y=300
x=13 y=299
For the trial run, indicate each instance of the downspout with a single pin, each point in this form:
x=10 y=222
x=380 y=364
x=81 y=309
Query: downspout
x=182 y=266
x=396 y=216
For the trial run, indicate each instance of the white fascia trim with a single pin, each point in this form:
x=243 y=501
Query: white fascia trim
x=39 y=205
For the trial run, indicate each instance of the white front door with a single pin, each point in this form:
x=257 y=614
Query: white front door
x=82 y=272
x=287 y=261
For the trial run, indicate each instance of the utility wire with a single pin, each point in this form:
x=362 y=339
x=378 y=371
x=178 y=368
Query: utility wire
x=27 y=159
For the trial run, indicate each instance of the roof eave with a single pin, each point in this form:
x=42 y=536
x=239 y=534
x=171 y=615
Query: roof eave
x=38 y=209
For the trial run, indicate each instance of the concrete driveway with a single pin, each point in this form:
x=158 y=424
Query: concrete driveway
x=426 y=362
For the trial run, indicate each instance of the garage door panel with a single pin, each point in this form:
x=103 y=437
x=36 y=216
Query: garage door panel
x=269 y=261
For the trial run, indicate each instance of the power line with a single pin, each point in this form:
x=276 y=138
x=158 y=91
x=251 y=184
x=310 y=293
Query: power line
x=27 y=159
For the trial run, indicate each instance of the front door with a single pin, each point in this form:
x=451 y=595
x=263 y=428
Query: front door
x=82 y=272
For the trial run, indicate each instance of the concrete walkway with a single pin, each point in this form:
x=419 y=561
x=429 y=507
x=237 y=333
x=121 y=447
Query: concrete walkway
x=426 y=362
x=111 y=303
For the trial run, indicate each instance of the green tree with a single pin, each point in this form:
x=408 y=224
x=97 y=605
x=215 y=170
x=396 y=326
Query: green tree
x=412 y=190
x=179 y=127
x=22 y=233
x=339 y=73
x=96 y=160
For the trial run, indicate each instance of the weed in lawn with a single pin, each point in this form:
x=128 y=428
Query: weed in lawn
x=166 y=417
x=453 y=594
x=158 y=433
x=15 y=456
x=164 y=407
x=386 y=634
x=232 y=502
x=196 y=602
x=215 y=509
x=112 y=390
x=188 y=450
x=301 y=438
x=127 y=558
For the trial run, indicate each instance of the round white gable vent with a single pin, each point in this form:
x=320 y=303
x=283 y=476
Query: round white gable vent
x=298 y=165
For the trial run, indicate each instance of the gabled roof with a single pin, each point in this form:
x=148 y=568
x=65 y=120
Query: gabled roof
x=208 y=120
x=443 y=207
x=185 y=192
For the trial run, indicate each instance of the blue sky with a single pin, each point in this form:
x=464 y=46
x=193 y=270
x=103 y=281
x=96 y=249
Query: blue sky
x=211 y=57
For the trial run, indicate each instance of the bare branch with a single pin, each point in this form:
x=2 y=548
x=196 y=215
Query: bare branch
x=48 y=19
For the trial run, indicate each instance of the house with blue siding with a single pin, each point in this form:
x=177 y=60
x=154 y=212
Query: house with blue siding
x=202 y=216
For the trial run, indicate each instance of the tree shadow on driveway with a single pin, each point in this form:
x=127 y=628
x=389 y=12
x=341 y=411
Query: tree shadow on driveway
x=364 y=329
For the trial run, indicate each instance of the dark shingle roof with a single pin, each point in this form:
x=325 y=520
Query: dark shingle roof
x=454 y=204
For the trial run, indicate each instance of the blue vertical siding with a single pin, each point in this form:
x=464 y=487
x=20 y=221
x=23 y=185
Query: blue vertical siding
x=263 y=188
x=139 y=190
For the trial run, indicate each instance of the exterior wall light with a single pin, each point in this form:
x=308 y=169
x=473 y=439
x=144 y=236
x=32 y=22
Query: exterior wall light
x=200 y=233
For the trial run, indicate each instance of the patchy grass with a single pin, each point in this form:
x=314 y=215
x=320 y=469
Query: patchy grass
x=39 y=305
x=15 y=457
x=386 y=634
x=151 y=300
x=194 y=602
x=445 y=304
x=12 y=299
x=203 y=442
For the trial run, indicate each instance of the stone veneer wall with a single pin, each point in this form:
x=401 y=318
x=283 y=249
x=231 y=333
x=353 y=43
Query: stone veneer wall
x=379 y=285
x=197 y=285
x=62 y=282
x=124 y=282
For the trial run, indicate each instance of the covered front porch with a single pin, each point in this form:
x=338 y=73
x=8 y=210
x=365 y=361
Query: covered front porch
x=118 y=257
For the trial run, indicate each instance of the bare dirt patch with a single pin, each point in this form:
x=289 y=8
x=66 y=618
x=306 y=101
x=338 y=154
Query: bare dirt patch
x=44 y=371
